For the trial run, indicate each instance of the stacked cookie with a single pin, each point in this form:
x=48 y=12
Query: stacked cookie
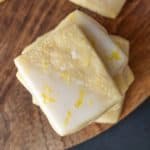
x=76 y=73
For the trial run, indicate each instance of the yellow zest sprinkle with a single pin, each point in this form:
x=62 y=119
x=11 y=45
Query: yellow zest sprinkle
x=67 y=118
x=80 y=101
x=46 y=95
x=90 y=102
x=48 y=99
x=115 y=55
x=66 y=76
x=47 y=89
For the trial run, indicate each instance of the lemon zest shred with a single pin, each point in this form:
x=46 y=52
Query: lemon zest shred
x=46 y=95
x=47 y=89
x=80 y=100
x=67 y=118
x=66 y=76
x=115 y=56
x=48 y=99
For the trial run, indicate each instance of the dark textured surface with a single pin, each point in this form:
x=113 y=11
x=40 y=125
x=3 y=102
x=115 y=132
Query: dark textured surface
x=133 y=133
x=22 y=125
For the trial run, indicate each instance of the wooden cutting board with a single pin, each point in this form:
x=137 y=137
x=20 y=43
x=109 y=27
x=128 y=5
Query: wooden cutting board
x=22 y=125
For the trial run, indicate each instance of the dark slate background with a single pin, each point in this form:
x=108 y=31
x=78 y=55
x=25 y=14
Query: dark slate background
x=133 y=133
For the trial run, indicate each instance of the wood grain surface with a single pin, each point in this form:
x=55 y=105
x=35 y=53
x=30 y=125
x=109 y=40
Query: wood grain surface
x=22 y=125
